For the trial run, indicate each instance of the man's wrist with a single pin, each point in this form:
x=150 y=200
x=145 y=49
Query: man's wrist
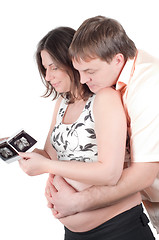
x=77 y=202
x=82 y=201
x=93 y=198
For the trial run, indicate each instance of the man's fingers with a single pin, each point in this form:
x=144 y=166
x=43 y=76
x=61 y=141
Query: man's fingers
x=47 y=193
x=50 y=205
x=51 y=177
x=48 y=188
x=49 y=200
x=54 y=212
x=53 y=190
x=60 y=183
x=57 y=215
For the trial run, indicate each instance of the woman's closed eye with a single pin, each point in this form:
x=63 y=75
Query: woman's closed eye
x=54 y=68
x=91 y=72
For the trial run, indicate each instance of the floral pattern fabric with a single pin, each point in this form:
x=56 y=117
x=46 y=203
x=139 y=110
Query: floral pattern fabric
x=76 y=141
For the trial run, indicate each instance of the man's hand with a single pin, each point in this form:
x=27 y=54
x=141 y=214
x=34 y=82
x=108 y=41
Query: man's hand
x=60 y=197
x=47 y=190
x=67 y=201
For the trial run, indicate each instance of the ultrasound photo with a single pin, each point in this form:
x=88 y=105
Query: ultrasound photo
x=20 y=142
x=7 y=152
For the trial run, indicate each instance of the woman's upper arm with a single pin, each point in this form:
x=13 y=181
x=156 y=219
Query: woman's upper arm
x=110 y=128
x=48 y=147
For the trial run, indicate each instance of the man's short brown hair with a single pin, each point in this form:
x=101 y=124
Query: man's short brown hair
x=101 y=37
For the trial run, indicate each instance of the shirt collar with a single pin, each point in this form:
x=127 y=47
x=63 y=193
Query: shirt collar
x=126 y=74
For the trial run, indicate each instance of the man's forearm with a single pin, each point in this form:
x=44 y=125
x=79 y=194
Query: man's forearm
x=134 y=179
x=93 y=198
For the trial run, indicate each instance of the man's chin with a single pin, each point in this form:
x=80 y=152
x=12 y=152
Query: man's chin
x=94 y=88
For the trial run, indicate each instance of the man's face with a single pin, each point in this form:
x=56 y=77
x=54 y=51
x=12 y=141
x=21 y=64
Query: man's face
x=97 y=74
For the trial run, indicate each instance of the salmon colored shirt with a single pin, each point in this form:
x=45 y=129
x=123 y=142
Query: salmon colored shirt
x=139 y=86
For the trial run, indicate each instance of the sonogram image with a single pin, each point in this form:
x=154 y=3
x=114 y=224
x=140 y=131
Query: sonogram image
x=22 y=143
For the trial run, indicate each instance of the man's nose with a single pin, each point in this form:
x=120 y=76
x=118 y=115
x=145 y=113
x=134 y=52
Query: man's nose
x=83 y=78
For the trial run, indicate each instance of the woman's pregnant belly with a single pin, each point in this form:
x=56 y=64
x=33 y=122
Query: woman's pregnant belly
x=86 y=221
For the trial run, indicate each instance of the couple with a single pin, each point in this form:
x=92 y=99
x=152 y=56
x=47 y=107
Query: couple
x=88 y=131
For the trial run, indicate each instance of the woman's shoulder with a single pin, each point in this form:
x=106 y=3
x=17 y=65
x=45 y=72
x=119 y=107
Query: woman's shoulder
x=61 y=101
x=58 y=103
x=107 y=93
x=108 y=102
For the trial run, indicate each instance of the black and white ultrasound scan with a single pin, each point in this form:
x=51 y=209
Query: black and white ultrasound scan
x=19 y=142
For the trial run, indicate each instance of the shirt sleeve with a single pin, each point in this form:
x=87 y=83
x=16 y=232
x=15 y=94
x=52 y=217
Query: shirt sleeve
x=143 y=109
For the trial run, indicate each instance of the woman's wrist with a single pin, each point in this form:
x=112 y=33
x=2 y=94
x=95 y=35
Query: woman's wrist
x=48 y=165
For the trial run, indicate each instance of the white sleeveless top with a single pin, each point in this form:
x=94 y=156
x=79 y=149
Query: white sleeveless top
x=76 y=141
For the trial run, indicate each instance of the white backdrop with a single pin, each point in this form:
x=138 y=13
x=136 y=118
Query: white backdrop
x=23 y=211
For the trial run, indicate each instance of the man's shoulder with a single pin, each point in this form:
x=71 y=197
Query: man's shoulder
x=144 y=57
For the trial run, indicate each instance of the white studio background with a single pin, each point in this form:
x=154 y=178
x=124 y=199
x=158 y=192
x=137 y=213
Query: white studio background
x=23 y=211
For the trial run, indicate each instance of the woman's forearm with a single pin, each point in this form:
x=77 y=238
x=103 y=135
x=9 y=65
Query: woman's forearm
x=41 y=152
x=95 y=173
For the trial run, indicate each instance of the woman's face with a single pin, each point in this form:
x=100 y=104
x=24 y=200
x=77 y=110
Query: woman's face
x=57 y=77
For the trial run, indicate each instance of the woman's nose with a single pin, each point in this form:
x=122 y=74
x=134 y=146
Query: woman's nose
x=48 y=76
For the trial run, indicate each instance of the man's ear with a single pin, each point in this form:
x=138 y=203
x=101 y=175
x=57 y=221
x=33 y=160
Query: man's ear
x=119 y=59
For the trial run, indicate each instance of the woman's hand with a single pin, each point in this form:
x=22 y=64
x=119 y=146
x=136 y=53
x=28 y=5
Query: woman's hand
x=2 y=139
x=33 y=163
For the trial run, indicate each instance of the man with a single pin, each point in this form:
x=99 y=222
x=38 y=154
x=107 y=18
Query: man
x=105 y=56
